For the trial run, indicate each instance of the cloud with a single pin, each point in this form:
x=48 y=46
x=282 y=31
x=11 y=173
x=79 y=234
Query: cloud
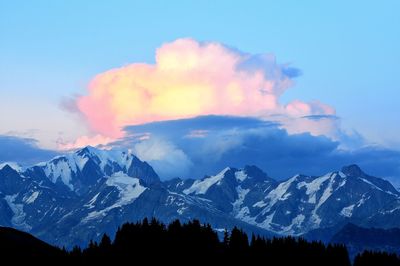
x=22 y=150
x=221 y=141
x=191 y=78
x=194 y=147
x=84 y=141
x=316 y=125
x=166 y=159
x=203 y=106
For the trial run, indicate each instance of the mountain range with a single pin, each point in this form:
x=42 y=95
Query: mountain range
x=81 y=195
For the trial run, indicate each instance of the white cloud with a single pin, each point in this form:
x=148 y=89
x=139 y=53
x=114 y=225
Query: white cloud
x=167 y=160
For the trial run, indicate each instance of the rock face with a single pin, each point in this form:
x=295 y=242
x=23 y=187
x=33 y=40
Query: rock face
x=74 y=198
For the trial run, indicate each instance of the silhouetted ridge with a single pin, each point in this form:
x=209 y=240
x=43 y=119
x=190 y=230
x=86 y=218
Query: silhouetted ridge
x=20 y=244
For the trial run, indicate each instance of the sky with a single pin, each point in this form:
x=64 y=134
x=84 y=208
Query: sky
x=327 y=69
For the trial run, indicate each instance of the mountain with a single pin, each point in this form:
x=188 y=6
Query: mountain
x=81 y=170
x=75 y=197
x=297 y=205
x=358 y=238
x=16 y=245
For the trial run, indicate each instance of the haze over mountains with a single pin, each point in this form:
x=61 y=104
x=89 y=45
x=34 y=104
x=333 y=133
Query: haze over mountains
x=78 y=196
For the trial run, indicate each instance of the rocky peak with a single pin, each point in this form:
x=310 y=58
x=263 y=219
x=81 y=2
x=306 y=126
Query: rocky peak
x=352 y=170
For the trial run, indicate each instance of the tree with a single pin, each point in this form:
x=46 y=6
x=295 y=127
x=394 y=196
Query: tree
x=105 y=243
x=238 y=241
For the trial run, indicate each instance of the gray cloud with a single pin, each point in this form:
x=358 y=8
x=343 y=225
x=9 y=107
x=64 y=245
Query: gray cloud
x=210 y=143
x=22 y=150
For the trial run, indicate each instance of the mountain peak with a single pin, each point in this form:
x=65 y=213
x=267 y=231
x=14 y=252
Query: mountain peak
x=88 y=150
x=6 y=167
x=14 y=166
x=256 y=173
x=352 y=170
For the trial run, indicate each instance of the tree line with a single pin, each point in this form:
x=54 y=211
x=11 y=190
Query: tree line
x=195 y=243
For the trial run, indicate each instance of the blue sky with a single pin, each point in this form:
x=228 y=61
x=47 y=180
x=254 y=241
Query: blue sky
x=347 y=52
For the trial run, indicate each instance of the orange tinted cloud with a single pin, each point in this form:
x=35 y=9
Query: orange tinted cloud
x=190 y=78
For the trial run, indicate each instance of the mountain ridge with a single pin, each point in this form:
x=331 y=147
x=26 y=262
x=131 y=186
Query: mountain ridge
x=93 y=190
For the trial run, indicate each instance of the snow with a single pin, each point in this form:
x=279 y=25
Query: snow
x=202 y=186
x=313 y=187
x=347 y=211
x=66 y=166
x=90 y=204
x=370 y=183
x=129 y=190
x=296 y=223
x=18 y=219
x=266 y=223
x=241 y=194
x=180 y=184
x=243 y=213
x=180 y=211
x=13 y=165
x=240 y=175
x=95 y=215
x=31 y=198
x=267 y=215
x=260 y=204
x=286 y=196
x=239 y=212
x=279 y=192
x=375 y=186
x=60 y=168
x=344 y=181
x=312 y=199
x=362 y=200
x=80 y=162
x=315 y=219
x=122 y=158
x=342 y=175
x=327 y=193
x=129 y=187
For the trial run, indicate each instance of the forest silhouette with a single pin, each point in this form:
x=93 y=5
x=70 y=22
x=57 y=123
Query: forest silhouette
x=188 y=243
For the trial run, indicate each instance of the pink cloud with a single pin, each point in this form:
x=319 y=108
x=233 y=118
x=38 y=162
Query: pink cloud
x=189 y=78
x=85 y=141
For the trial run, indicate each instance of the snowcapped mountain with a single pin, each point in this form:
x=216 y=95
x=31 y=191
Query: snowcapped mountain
x=82 y=169
x=13 y=165
x=299 y=204
x=78 y=196
x=231 y=191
